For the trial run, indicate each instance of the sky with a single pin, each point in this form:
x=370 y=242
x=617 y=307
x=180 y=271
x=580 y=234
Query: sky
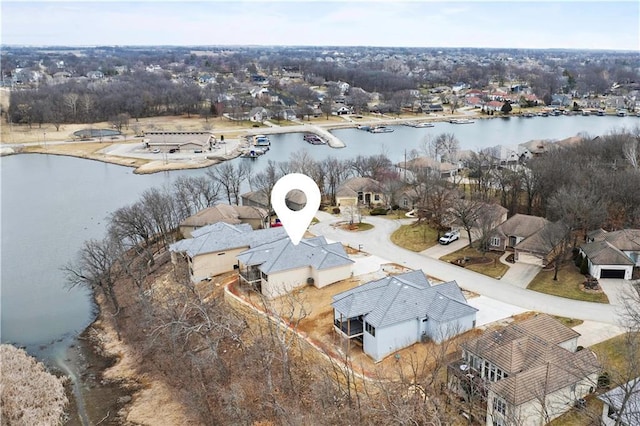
x=418 y=23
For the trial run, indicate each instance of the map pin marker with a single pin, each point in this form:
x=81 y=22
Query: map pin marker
x=295 y=222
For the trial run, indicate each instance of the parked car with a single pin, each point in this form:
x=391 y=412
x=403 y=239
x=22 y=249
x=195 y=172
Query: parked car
x=449 y=237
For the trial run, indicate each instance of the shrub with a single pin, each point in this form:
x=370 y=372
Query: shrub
x=378 y=211
x=584 y=266
x=336 y=210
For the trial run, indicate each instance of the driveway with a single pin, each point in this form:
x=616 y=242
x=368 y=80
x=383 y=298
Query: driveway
x=376 y=241
x=440 y=250
x=519 y=274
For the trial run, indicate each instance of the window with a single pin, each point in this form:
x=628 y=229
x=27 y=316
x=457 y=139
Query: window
x=405 y=203
x=370 y=329
x=221 y=254
x=376 y=197
x=264 y=276
x=499 y=406
x=495 y=241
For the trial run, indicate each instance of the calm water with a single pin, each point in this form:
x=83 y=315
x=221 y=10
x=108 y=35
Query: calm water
x=51 y=204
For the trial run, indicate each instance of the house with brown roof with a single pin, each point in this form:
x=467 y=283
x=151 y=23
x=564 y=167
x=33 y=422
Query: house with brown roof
x=525 y=236
x=443 y=168
x=612 y=254
x=233 y=215
x=527 y=373
x=359 y=190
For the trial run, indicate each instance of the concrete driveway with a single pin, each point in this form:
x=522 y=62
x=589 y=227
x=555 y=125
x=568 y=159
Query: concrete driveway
x=376 y=241
x=440 y=250
x=520 y=274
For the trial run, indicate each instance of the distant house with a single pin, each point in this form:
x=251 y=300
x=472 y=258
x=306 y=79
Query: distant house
x=443 y=169
x=359 y=190
x=233 y=215
x=515 y=230
x=341 y=110
x=622 y=404
x=392 y=313
x=179 y=141
x=295 y=200
x=213 y=249
x=278 y=267
x=527 y=373
x=259 y=114
x=613 y=254
x=434 y=108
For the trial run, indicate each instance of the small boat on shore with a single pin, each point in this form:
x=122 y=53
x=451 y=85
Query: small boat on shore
x=364 y=127
x=253 y=152
x=381 y=129
x=261 y=140
x=461 y=121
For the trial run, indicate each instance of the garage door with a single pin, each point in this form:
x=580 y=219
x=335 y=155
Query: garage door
x=529 y=259
x=612 y=273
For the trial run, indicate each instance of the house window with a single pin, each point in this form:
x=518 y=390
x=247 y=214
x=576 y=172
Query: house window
x=405 y=203
x=376 y=197
x=370 y=329
x=264 y=276
x=499 y=406
x=495 y=241
x=221 y=254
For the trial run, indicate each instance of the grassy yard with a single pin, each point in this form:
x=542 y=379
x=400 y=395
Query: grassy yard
x=494 y=268
x=415 y=237
x=567 y=286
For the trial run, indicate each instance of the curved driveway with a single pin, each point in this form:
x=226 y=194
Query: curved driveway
x=376 y=241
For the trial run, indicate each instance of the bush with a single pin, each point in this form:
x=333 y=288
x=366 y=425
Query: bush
x=378 y=211
x=336 y=210
x=584 y=266
x=395 y=207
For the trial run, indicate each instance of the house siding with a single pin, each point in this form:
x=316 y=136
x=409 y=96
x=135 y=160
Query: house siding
x=441 y=331
x=594 y=270
x=211 y=264
x=283 y=282
x=390 y=339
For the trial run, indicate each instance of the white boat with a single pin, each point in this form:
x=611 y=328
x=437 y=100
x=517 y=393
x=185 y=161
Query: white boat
x=381 y=129
x=419 y=125
x=461 y=121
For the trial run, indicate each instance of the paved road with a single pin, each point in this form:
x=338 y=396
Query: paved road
x=376 y=241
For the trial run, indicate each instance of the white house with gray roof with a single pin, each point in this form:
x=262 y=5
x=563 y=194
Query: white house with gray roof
x=392 y=313
x=278 y=267
x=213 y=249
x=622 y=404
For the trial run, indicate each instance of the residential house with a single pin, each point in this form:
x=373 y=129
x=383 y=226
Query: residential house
x=259 y=114
x=359 y=190
x=295 y=200
x=613 y=254
x=179 y=141
x=213 y=249
x=514 y=233
x=622 y=404
x=278 y=267
x=233 y=215
x=392 y=313
x=443 y=169
x=341 y=110
x=527 y=373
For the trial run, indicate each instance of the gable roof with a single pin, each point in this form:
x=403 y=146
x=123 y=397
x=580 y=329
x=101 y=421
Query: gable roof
x=521 y=225
x=351 y=187
x=283 y=255
x=222 y=236
x=604 y=253
x=260 y=197
x=616 y=398
x=625 y=239
x=542 y=241
x=224 y=213
x=398 y=298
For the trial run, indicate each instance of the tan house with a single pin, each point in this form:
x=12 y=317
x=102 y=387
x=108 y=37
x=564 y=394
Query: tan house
x=213 y=249
x=523 y=232
x=179 y=141
x=359 y=190
x=233 y=215
x=278 y=267
x=442 y=169
x=295 y=200
x=527 y=373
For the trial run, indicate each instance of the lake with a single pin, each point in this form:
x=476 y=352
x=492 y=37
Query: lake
x=51 y=204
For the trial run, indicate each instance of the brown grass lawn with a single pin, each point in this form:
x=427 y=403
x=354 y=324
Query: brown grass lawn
x=568 y=285
x=415 y=237
x=494 y=268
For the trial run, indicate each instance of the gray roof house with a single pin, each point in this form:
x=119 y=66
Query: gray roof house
x=392 y=313
x=612 y=254
x=295 y=199
x=213 y=249
x=622 y=404
x=278 y=267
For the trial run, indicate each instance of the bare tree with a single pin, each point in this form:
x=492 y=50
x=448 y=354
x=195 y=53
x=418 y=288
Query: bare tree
x=194 y=193
x=467 y=212
x=30 y=394
x=230 y=179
